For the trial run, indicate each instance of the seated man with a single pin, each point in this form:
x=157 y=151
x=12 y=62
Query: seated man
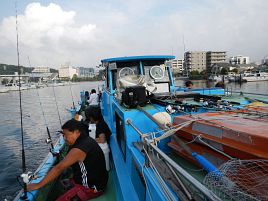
x=220 y=84
x=189 y=84
x=87 y=161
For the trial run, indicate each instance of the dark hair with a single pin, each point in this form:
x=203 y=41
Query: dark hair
x=72 y=125
x=93 y=91
x=94 y=112
x=220 y=84
x=188 y=83
x=87 y=94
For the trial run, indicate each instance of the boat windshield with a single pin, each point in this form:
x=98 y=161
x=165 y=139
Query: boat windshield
x=156 y=73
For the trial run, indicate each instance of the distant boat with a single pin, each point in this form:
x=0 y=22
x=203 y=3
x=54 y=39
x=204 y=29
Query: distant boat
x=3 y=89
x=15 y=87
x=216 y=78
x=255 y=76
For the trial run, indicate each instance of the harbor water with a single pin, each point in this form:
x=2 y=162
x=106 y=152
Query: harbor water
x=34 y=124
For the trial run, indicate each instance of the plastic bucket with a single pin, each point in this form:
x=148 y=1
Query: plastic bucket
x=92 y=130
x=106 y=150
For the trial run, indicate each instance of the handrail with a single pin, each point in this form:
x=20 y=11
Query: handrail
x=209 y=194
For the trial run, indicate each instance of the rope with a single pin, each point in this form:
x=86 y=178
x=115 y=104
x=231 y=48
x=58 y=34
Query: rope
x=215 y=149
x=168 y=195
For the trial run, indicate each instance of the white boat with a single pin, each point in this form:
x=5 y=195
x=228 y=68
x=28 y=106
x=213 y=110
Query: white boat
x=3 y=89
x=215 y=78
x=15 y=87
x=255 y=76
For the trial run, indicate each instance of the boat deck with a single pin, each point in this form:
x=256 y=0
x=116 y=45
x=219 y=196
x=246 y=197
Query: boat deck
x=109 y=194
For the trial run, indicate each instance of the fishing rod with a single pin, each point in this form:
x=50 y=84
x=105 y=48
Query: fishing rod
x=24 y=175
x=71 y=93
x=49 y=139
x=57 y=105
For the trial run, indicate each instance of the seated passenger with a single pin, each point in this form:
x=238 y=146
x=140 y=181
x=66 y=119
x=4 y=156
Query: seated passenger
x=87 y=161
x=189 y=84
x=93 y=115
x=86 y=97
x=93 y=98
x=220 y=84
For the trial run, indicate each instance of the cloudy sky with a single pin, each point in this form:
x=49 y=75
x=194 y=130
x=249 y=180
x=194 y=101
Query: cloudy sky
x=83 y=32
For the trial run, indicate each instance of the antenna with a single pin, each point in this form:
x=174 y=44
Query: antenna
x=186 y=68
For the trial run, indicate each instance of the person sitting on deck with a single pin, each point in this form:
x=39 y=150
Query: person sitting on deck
x=86 y=97
x=87 y=161
x=93 y=115
x=220 y=84
x=93 y=98
x=189 y=84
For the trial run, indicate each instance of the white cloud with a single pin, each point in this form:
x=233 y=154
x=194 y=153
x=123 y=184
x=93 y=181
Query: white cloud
x=85 y=32
x=43 y=32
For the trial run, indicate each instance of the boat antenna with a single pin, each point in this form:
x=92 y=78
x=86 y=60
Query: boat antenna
x=24 y=195
x=49 y=139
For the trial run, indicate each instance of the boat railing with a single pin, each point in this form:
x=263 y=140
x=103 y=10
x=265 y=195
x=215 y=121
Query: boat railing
x=150 y=142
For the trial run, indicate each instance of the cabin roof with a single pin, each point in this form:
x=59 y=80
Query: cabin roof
x=138 y=58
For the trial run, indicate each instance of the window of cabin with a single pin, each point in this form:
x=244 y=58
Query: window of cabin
x=155 y=71
x=124 y=69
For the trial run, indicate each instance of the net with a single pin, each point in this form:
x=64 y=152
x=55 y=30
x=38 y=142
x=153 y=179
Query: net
x=240 y=180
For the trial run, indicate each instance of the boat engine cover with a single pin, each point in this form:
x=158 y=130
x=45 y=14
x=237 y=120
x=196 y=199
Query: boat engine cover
x=134 y=96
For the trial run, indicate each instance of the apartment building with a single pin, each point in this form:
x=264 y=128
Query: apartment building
x=85 y=72
x=67 y=71
x=195 y=60
x=214 y=58
x=177 y=66
x=239 y=60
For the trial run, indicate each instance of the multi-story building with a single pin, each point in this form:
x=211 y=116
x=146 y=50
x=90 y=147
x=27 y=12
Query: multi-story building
x=85 y=72
x=239 y=60
x=265 y=61
x=195 y=60
x=214 y=58
x=41 y=70
x=177 y=66
x=67 y=71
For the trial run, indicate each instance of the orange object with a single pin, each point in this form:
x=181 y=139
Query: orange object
x=230 y=132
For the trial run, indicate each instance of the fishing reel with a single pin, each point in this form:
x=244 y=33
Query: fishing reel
x=27 y=177
x=181 y=108
x=224 y=105
x=48 y=140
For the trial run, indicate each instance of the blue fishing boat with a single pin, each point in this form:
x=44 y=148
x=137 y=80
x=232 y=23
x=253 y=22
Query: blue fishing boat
x=139 y=103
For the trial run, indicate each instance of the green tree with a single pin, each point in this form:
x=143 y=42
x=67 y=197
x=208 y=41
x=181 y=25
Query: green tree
x=235 y=70
x=74 y=78
x=224 y=71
